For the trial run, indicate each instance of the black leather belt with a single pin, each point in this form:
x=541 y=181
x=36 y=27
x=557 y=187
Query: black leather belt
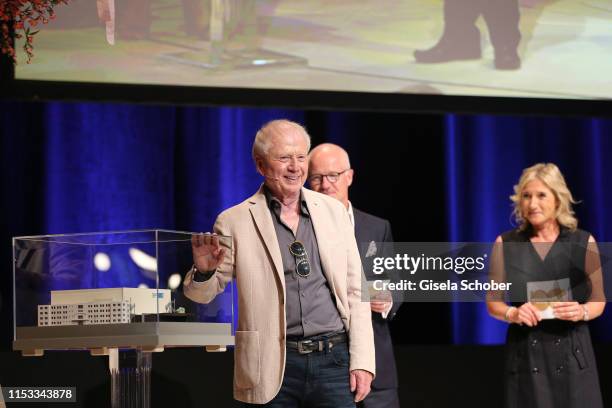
x=318 y=344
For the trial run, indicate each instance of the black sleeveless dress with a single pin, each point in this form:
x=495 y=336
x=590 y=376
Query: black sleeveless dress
x=551 y=364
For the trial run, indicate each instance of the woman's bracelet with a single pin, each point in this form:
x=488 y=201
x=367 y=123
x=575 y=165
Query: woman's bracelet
x=585 y=315
x=507 y=314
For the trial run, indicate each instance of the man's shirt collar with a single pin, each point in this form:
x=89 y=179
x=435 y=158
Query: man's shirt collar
x=351 y=214
x=274 y=204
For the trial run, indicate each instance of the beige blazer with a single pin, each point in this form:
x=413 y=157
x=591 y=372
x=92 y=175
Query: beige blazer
x=255 y=261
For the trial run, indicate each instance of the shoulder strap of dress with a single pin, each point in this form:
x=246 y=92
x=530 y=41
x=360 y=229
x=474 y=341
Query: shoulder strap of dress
x=513 y=236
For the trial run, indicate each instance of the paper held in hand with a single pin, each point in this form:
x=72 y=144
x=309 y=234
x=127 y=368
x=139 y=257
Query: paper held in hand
x=543 y=293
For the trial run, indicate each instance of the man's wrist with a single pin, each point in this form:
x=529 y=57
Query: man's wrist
x=199 y=276
x=362 y=370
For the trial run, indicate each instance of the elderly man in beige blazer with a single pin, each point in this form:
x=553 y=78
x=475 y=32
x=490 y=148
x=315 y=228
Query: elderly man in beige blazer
x=304 y=335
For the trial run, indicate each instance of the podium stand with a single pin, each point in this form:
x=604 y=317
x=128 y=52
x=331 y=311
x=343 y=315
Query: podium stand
x=234 y=40
x=66 y=299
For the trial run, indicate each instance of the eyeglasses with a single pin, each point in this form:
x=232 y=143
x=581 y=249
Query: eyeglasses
x=302 y=266
x=317 y=179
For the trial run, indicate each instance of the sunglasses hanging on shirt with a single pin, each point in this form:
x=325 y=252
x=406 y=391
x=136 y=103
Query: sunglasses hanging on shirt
x=302 y=266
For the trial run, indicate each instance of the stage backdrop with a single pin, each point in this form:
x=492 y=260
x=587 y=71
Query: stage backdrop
x=79 y=167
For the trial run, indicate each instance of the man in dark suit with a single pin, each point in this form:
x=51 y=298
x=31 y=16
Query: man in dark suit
x=330 y=173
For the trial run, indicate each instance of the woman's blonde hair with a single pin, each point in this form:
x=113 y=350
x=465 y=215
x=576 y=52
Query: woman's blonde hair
x=551 y=176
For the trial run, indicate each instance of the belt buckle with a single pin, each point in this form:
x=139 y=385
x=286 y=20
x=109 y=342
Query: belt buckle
x=301 y=344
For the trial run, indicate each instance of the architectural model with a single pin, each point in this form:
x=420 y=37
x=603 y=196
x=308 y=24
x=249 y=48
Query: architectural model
x=102 y=306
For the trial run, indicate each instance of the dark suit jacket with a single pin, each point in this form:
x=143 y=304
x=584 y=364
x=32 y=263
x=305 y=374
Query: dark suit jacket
x=368 y=229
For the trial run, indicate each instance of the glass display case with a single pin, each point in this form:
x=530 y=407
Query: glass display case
x=112 y=292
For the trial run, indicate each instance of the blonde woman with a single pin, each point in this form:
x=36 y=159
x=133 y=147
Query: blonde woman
x=557 y=287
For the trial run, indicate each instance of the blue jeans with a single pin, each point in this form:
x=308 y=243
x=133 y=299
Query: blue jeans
x=319 y=379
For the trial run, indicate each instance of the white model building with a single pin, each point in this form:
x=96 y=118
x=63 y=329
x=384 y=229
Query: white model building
x=86 y=313
x=102 y=306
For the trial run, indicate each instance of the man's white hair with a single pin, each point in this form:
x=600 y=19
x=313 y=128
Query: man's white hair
x=261 y=144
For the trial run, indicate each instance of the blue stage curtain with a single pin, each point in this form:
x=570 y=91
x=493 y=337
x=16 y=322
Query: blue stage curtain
x=81 y=167
x=116 y=167
x=86 y=167
x=485 y=156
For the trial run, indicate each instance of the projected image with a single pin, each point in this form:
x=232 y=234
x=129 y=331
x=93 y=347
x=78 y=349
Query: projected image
x=526 y=48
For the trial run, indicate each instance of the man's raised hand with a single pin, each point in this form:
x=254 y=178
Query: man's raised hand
x=207 y=253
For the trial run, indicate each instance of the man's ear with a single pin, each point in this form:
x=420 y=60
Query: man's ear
x=349 y=176
x=259 y=165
